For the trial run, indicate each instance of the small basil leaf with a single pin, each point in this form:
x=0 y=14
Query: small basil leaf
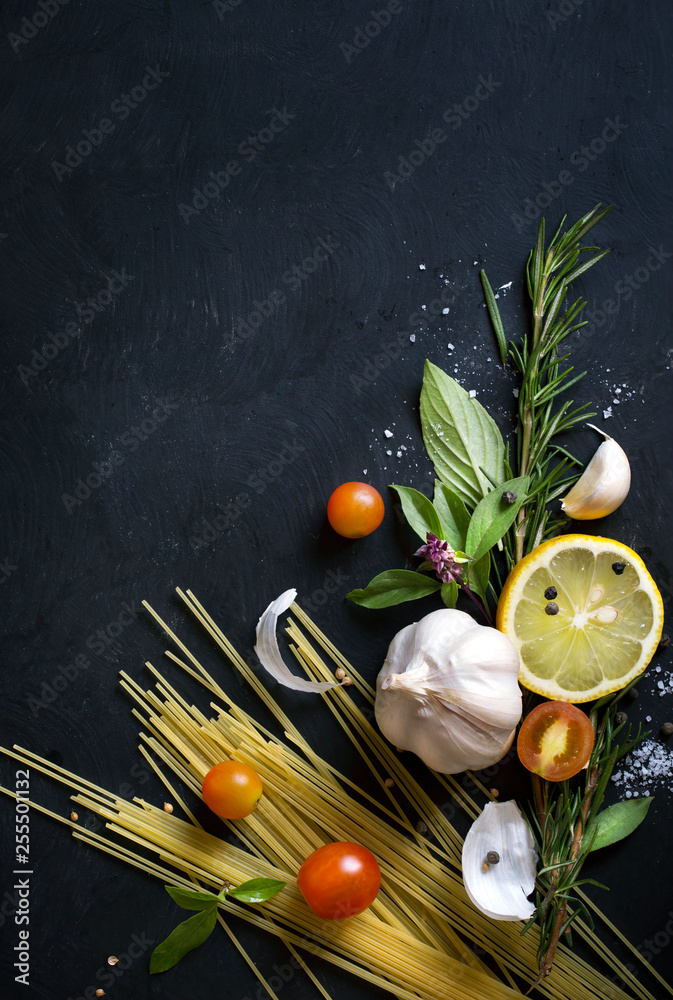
x=186 y=936
x=453 y=514
x=492 y=517
x=478 y=575
x=617 y=822
x=450 y=594
x=394 y=587
x=257 y=890
x=419 y=512
x=190 y=899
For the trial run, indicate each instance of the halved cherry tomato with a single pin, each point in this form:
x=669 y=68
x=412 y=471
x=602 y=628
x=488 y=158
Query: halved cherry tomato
x=232 y=789
x=355 y=510
x=339 y=880
x=555 y=740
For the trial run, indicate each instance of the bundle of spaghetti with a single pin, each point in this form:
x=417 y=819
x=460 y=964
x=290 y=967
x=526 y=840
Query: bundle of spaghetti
x=411 y=942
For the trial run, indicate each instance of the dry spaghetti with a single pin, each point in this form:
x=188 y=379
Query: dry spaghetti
x=412 y=940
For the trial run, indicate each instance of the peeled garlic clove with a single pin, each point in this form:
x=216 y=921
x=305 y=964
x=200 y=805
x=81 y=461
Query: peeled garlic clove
x=449 y=692
x=500 y=890
x=269 y=654
x=603 y=485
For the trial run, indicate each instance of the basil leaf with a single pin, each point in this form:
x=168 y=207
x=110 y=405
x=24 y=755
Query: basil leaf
x=450 y=594
x=186 y=936
x=453 y=514
x=478 y=575
x=419 y=512
x=394 y=587
x=460 y=436
x=257 y=890
x=617 y=822
x=190 y=899
x=492 y=517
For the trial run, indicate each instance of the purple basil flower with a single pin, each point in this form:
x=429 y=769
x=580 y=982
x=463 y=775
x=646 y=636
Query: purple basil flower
x=442 y=558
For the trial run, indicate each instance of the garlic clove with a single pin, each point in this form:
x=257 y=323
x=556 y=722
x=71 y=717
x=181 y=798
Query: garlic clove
x=269 y=654
x=500 y=890
x=603 y=485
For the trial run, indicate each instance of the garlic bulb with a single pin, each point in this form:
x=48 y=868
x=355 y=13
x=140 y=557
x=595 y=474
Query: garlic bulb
x=448 y=691
x=603 y=485
x=499 y=887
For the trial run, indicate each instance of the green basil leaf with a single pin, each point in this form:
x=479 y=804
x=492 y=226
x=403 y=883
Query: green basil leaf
x=450 y=594
x=190 y=899
x=478 y=575
x=460 y=436
x=394 y=587
x=617 y=822
x=257 y=890
x=419 y=512
x=492 y=517
x=186 y=936
x=453 y=514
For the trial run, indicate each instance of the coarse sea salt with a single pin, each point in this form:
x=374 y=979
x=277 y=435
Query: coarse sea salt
x=646 y=768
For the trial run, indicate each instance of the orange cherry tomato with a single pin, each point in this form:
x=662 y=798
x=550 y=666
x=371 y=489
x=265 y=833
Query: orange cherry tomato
x=339 y=880
x=232 y=789
x=555 y=740
x=355 y=510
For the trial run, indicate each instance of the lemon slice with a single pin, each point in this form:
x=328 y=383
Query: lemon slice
x=608 y=625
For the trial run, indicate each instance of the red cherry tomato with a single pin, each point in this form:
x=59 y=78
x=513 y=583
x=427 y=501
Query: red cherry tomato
x=232 y=789
x=355 y=510
x=555 y=740
x=339 y=880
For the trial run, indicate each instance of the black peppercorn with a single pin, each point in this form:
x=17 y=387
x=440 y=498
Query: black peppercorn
x=618 y=568
x=552 y=608
x=492 y=858
x=666 y=730
x=664 y=643
x=550 y=593
x=620 y=717
x=508 y=497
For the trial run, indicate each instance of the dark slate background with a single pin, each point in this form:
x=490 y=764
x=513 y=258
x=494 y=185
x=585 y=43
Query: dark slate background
x=213 y=446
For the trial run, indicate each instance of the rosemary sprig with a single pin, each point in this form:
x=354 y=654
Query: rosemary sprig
x=562 y=823
x=550 y=270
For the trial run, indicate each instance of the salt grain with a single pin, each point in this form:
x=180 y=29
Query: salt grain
x=647 y=767
x=412 y=338
x=607 y=413
x=388 y=433
x=421 y=267
x=451 y=347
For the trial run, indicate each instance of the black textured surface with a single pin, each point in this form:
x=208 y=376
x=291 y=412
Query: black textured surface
x=220 y=442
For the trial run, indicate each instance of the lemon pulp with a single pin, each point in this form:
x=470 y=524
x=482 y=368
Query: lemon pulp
x=608 y=623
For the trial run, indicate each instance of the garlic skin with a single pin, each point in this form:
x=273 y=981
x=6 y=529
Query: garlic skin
x=603 y=485
x=448 y=691
x=500 y=890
